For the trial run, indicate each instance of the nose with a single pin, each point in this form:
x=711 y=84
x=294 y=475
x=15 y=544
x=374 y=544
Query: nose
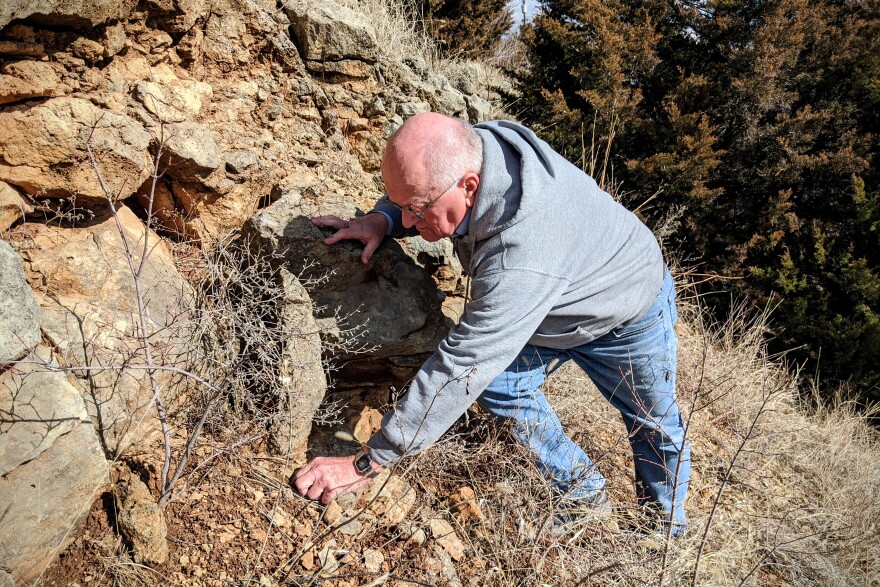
x=408 y=220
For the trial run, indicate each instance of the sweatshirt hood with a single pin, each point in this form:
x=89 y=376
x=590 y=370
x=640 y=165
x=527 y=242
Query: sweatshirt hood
x=511 y=152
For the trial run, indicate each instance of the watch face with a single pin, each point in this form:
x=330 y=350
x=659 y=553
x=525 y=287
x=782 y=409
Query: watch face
x=363 y=464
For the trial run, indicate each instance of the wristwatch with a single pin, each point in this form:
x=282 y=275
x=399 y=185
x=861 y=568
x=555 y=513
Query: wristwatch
x=364 y=465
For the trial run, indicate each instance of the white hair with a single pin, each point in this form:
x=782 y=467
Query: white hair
x=453 y=154
x=447 y=156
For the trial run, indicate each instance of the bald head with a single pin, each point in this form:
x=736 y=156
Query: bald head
x=430 y=150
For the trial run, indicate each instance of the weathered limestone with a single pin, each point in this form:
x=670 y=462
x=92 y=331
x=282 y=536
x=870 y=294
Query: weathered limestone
x=22 y=80
x=301 y=371
x=73 y=13
x=47 y=498
x=89 y=302
x=12 y=206
x=20 y=316
x=326 y=32
x=392 y=299
x=43 y=150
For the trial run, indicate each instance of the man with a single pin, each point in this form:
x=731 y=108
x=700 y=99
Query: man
x=559 y=271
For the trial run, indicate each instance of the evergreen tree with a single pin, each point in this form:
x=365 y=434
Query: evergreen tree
x=467 y=28
x=760 y=120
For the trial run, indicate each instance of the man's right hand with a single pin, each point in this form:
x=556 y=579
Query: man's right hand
x=369 y=229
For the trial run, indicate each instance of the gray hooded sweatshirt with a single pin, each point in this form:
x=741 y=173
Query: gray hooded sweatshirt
x=554 y=262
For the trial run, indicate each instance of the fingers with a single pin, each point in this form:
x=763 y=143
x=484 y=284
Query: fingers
x=369 y=249
x=329 y=222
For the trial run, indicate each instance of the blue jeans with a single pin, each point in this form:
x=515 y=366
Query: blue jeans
x=634 y=368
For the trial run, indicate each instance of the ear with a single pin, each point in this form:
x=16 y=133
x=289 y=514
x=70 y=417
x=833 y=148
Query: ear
x=471 y=184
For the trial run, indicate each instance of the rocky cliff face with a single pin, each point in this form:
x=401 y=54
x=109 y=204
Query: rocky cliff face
x=203 y=117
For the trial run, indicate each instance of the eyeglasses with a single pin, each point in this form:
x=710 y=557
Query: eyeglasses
x=420 y=214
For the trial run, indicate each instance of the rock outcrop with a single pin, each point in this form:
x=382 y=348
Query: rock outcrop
x=391 y=303
x=257 y=118
x=84 y=285
x=51 y=467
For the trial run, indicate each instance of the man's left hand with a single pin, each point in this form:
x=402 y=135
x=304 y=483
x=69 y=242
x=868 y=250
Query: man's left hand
x=326 y=478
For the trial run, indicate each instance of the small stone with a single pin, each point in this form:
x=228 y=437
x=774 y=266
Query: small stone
x=369 y=421
x=333 y=513
x=446 y=537
x=390 y=498
x=141 y=522
x=465 y=504
x=86 y=49
x=184 y=560
x=308 y=560
x=373 y=560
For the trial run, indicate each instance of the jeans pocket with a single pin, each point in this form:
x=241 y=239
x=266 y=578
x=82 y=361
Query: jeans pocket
x=651 y=318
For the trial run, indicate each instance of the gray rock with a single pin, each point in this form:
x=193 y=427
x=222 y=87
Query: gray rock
x=240 y=160
x=141 y=522
x=392 y=301
x=20 y=316
x=301 y=371
x=410 y=109
x=478 y=110
x=38 y=406
x=326 y=31
x=445 y=99
x=72 y=13
x=45 y=501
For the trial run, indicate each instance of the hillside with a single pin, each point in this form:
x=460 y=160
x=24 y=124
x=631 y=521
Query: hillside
x=177 y=340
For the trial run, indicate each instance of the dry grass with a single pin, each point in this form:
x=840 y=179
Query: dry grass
x=796 y=496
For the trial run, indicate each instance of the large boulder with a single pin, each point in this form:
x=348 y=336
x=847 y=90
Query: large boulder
x=43 y=150
x=53 y=468
x=84 y=284
x=20 y=316
x=326 y=32
x=391 y=303
x=72 y=13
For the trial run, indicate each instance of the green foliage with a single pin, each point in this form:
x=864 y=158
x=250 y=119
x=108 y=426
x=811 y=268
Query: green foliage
x=761 y=120
x=467 y=28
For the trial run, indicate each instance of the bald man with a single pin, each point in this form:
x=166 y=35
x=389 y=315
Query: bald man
x=559 y=271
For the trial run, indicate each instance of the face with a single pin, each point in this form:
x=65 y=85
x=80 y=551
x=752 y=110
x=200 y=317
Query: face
x=435 y=214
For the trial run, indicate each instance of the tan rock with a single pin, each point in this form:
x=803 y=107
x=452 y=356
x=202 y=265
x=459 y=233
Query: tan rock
x=89 y=305
x=141 y=522
x=389 y=498
x=12 y=206
x=23 y=80
x=368 y=422
x=333 y=513
x=446 y=537
x=173 y=100
x=24 y=49
x=43 y=150
x=464 y=503
x=87 y=49
x=373 y=560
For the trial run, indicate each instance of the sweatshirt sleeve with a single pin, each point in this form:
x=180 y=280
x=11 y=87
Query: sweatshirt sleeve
x=506 y=309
